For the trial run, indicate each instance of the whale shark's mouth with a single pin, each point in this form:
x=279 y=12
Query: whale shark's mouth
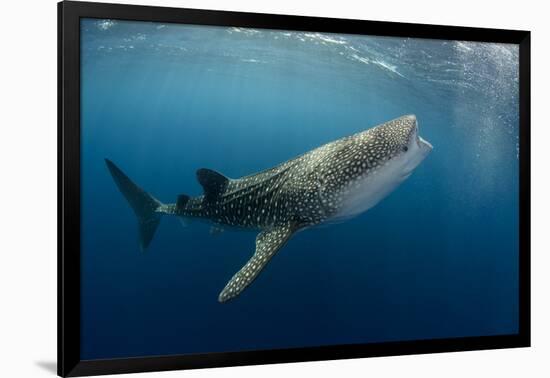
x=419 y=148
x=424 y=144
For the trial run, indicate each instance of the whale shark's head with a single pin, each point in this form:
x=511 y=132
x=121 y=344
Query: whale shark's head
x=397 y=140
x=367 y=166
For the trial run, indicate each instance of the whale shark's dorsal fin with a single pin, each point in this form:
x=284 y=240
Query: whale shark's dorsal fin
x=267 y=244
x=213 y=183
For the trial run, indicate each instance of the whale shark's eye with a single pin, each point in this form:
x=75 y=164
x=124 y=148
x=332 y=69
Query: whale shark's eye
x=405 y=149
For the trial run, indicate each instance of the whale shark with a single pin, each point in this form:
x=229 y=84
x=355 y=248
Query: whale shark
x=332 y=183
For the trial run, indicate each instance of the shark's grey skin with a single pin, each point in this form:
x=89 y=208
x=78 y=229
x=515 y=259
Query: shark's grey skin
x=336 y=181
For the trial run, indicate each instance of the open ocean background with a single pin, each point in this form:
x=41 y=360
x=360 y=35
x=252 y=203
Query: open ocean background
x=438 y=258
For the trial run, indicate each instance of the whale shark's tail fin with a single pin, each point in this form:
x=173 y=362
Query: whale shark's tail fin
x=144 y=205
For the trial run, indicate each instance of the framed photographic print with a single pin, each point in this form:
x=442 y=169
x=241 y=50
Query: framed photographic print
x=239 y=188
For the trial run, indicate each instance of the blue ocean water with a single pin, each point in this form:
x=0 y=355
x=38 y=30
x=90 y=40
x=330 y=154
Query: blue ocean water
x=438 y=258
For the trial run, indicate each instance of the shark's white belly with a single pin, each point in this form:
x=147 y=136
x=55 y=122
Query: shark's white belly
x=365 y=193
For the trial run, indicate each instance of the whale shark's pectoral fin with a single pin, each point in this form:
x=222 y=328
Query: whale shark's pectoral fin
x=213 y=183
x=267 y=244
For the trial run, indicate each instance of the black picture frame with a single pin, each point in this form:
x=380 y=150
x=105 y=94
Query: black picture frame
x=69 y=15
